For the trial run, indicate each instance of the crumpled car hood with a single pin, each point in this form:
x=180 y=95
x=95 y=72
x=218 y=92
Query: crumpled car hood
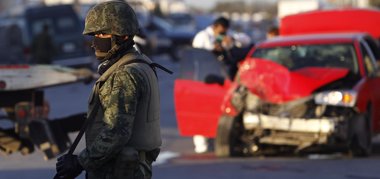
x=274 y=83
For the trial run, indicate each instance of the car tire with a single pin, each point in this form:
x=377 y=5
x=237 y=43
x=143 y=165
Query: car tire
x=361 y=135
x=228 y=141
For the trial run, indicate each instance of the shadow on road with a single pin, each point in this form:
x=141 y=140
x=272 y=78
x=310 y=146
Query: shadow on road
x=31 y=174
x=312 y=155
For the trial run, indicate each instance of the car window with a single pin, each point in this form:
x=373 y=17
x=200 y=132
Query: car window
x=58 y=25
x=369 y=62
x=374 y=47
x=181 y=19
x=37 y=26
x=320 y=55
x=65 y=24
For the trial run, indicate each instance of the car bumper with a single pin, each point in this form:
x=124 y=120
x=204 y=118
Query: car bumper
x=296 y=131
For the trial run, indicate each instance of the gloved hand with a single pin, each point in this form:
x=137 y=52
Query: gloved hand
x=68 y=167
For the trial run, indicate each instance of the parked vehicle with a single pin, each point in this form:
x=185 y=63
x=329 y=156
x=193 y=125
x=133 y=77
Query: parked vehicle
x=294 y=92
x=182 y=21
x=70 y=46
x=24 y=111
x=164 y=38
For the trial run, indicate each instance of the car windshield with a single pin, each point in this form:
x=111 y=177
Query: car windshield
x=60 y=25
x=299 y=56
x=181 y=19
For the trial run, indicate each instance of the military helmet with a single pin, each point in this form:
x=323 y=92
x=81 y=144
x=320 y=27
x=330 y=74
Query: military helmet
x=111 y=17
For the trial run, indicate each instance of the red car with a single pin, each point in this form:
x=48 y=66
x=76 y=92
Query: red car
x=294 y=92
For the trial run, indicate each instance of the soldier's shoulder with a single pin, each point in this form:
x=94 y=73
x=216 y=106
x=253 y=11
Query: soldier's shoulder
x=130 y=71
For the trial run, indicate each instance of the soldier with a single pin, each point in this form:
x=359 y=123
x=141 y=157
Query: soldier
x=124 y=138
x=42 y=47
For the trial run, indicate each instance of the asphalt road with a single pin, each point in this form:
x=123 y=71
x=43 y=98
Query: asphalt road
x=177 y=159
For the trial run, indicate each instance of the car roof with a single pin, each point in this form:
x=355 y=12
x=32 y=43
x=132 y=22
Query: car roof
x=311 y=39
x=53 y=8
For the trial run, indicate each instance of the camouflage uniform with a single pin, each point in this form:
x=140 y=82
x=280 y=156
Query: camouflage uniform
x=126 y=124
x=120 y=141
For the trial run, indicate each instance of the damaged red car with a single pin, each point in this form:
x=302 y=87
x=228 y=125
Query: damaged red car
x=295 y=92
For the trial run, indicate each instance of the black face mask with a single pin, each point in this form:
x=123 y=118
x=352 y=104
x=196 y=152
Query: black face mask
x=101 y=46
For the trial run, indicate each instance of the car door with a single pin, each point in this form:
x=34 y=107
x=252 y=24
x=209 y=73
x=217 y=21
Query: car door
x=197 y=104
x=373 y=79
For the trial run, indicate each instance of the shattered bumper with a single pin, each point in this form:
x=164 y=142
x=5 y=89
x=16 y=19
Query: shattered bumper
x=299 y=132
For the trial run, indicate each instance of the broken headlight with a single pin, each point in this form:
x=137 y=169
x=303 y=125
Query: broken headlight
x=346 y=98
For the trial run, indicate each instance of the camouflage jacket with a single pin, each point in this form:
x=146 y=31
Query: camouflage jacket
x=127 y=121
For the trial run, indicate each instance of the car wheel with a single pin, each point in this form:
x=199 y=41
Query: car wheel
x=229 y=138
x=361 y=135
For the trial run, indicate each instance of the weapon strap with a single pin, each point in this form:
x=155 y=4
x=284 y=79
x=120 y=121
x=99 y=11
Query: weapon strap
x=88 y=121
x=152 y=65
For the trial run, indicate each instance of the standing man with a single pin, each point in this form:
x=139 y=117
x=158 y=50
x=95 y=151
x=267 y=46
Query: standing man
x=42 y=47
x=215 y=39
x=124 y=138
x=272 y=32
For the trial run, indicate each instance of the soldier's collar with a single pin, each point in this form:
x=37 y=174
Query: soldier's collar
x=129 y=55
